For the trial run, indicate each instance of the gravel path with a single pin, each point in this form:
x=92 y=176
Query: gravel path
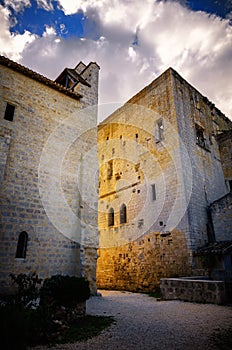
x=142 y=323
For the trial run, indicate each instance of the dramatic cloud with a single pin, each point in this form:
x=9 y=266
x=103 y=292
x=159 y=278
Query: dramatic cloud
x=17 y=5
x=49 y=31
x=45 y=4
x=134 y=42
x=12 y=45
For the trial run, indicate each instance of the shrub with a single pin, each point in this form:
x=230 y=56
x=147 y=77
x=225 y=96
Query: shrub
x=16 y=327
x=27 y=290
x=61 y=290
x=23 y=326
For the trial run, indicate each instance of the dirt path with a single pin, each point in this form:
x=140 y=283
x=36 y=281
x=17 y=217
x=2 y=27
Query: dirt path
x=146 y=324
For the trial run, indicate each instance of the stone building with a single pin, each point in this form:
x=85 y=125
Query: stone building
x=163 y=161
x=164 y=185
x=48 y=208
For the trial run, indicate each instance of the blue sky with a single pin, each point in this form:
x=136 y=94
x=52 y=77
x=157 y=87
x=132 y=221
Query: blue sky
x=34 y=18
x=132 y=40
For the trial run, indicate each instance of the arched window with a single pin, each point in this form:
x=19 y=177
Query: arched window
x=123 y=214
x=111 y=217
x=22 y=245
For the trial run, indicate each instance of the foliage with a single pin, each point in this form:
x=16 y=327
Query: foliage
x=27 y=289
x=156 y=293
x=21 y=328
x=23 y=323
x=86 y=328
x=16 y=326
x=222 y=338
x=61 y=290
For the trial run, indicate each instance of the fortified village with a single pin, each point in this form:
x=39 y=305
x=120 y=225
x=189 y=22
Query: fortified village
x=164 y=186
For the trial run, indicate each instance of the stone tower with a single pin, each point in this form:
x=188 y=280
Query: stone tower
x=160 y=169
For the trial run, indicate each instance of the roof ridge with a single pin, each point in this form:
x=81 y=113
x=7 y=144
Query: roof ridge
x=37 y=76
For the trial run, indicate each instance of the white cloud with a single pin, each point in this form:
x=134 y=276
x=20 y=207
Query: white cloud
x=12 y=45
x=17 y=5
x=137 y=42
x=71 y=6
x=49 y=31
x=45 y=4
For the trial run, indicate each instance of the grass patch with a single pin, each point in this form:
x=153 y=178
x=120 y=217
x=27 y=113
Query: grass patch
x=89 y=327
x=21 y=328
x=222 y=338
x=155 y=294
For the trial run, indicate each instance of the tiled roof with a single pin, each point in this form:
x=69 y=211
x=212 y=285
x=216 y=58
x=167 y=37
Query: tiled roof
x=221 y=248
x=38 y=77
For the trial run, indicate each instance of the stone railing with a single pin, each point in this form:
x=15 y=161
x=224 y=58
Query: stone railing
x=194 y=290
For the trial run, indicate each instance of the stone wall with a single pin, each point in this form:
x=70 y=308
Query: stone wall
x=140 y=144
x=138 y=266
x=225 y=147
x=200 y=291
x=221 y=211
x=194 y=114
x=90 y=73
x=160 y=139
x=40 y=192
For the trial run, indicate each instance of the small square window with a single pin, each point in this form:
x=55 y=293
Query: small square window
x=159 y=130
x=200 y=136
x=109 y=169
x=9 y=112
x=153 y=192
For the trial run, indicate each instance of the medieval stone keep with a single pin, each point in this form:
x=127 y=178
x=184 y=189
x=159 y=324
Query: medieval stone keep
x=48 y=208
x=156 y=193
x=165 y=178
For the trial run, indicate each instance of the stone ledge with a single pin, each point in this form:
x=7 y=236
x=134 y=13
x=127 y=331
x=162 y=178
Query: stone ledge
x=194 y=290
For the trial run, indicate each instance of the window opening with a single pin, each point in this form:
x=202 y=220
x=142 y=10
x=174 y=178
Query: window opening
x=200 y=135
x=9 y=112
x=109 y=169
x=159 y=130
x=22 y=245
x=123 y=216
x=153 y=191
x=230 y=185
x=111 y=217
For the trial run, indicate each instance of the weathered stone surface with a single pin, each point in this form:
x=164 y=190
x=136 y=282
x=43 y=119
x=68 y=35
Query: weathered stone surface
x=44 y=181
x=201 y=291
x=165 y=137
x=222 y=217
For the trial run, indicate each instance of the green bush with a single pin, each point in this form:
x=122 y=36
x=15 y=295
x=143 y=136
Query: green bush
x=16 y=327
x=61 y=290
x=27 y=289
x=23 y=325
